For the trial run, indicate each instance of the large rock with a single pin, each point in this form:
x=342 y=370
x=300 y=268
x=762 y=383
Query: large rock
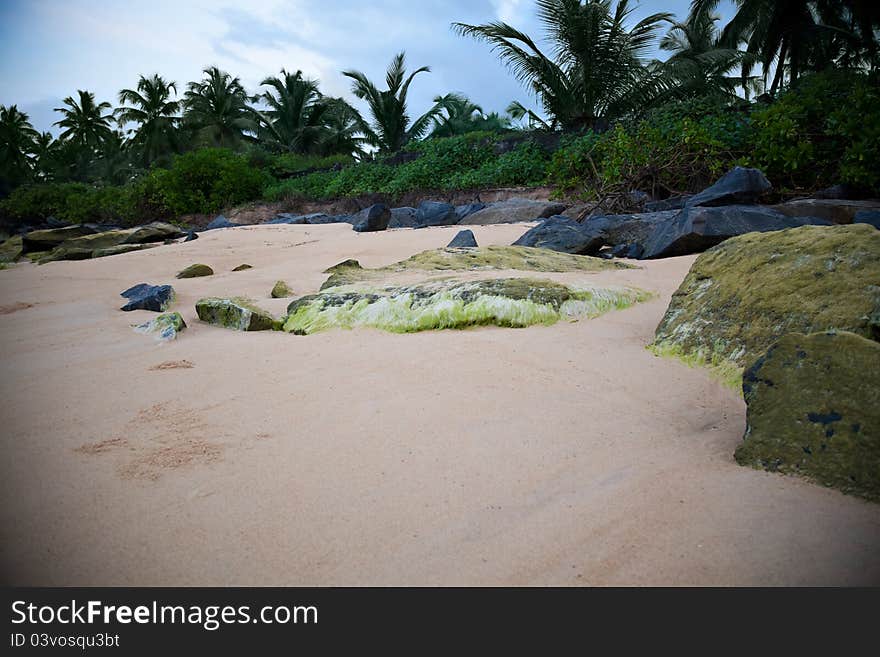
x=100 y=240
x=291 y=219
x=512 y=211
x=235 y=313
x=144 y=296
x=434 y=213
x=464 y=239
x=742 y=295
x=221 y=222
x=696 y=229
x=838 y=211
x=319 y=219
x=565 y=235
x=196 y=271
x=468 y=209
x=119 y=249
x=153 y=232
x=403 y=218
x=372 y=219
x=814 y=410
x=12 y=249
x=46 y=240
x=870 y=217
x=738 y=186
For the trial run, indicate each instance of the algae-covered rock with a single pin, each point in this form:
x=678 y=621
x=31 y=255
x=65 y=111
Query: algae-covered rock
x=743 y=294
x=100 y=240
x=156 y=231
x=121 y=248
x=66 y=253
x=195 y=271
x=520 y=258
x=281 y=290
x=165 y=326
x=48 y=239
x=243 y=267
x=510 y=302
x=12 y=249
x=236 y=313
x=814 y=409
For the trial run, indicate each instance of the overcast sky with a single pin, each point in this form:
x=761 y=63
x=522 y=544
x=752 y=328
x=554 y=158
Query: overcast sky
x=51 y=48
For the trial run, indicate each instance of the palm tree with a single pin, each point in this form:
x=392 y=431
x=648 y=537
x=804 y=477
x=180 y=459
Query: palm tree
x=156 y=114
x=17 y=137
x=297 y=114
x=84 y=123
x=45 y=155
x=343 y=129
x=217 y=109
x=391 y=129
x=598 y=71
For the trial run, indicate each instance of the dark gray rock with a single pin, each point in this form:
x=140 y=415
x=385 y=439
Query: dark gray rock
x=738 y=186
x=463 y=239
x=52 y=222
x=566 y=235
x=371 y=219
x=514 y=210
x=403 y=218
x=435 y=213
x=696 y=229
x=221 y=222
x=191 y=235
x=632 y=251
x=320 y=219
x=467 y=210
x=870 y=217
x=144 y=296
x=838 y=211
x=286 y=218
x=671 y=203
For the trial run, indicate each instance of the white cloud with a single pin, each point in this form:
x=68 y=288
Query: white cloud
x=509 y=11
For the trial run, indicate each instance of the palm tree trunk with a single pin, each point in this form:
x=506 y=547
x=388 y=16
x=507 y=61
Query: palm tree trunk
x=780 y=66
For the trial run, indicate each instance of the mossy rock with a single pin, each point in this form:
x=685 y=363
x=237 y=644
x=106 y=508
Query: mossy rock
x=66 y=253
x=519 y=258
x=243 y=267
x=508 y=302
x=742 y=295
x=12 y=249
x=814 y=410
x=281 y=291
x=120 y=249
x=98 y=240
x=49 y=238
x=196 y=271
x=236 y=313
x=165 y=326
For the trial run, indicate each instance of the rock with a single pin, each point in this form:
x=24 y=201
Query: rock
x=52 y=222
x=221 y=222
x=318 y=219
x=166 y=326
x=836 y=192
x=66 y=253
x=434 y=213
x=243 y=267
x=838 y=211
x=738 y=186
x=814 y=410
x=509 y=302
x=100 y=240
x=565 y=235
x=371 y=219
x=632 y=251
x=236 y=313
x=46 y=240
x=285 y=218
x=671 y=203
x=464 y=239
x=403 y=218
x=153 y=232
x=195 y=271
x=120 y=249
x=12 y=249
x=191 y=235
x=144 y=296
x=696 y=229
x=467 y=210
x=740 y=296
x=281 y=291
x=512 y=211
x=870 y=217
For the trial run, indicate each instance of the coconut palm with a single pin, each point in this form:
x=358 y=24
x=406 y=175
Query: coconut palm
x=17 y=137
x=598 y=70
x=461 y=116
x=217 y=110
x=391 y=128
x=85 y=124
x=156 y=114
x=343 y=129
x=45 y=151
x=295 y=120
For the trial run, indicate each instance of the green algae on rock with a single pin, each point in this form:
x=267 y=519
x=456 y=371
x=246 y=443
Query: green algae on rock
x=281 y=290
x=509 y=302
x=166 y=326
x=120 y=249
x=742 y=295
x=12 y=249
x=236 y=313
x=520 y=258
x=243 y=267
x=814 y=410
x=195 y=271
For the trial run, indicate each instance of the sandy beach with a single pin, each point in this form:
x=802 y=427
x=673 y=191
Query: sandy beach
x=552 y=455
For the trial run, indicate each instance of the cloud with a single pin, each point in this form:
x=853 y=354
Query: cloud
x=509 y=11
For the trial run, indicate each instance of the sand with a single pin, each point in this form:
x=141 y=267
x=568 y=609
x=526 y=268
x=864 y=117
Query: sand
x=563 y=455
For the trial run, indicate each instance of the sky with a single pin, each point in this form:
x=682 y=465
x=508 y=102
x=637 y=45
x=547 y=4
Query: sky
x=51 y=48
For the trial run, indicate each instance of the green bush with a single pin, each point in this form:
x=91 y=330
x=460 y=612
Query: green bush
x=70 y=202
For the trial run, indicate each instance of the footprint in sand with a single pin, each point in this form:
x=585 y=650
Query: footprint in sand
x=173 y=365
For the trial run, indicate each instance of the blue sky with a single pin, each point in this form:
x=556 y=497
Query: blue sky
x=51 y=48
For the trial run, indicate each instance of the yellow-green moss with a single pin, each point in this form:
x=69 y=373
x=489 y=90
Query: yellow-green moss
x=281 y=290
x=237 y=313
x=727 y=373
x=195 y=271
x=11 y=249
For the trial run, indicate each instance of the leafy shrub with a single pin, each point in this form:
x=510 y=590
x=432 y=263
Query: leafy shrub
x=70 y=202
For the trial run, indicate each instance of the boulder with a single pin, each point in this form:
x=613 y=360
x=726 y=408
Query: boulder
x=467 y=210
x=46 y=240
x=671 y=203
x=740 y=185
x=281 y=291
x=221 y=222
x=696 y=229
x=12 y=249
x=144 y=296
x=318 y=219
x=286 y=218
x=403 y=218
x=196 y=271
x=464 y=239
x=838 y=211
x=120 y=249
x=371 y=219
x=243 y=267
x=632 y=251
x=100 y=240
x=512 y=211
x=434 y=213
x=740 y=296
x=165 y=327
x=565 y=235
x=813 y=409
x=838 y=191
x=66 y=253
x=236 y=313
x=157 y=231
x=870 y=217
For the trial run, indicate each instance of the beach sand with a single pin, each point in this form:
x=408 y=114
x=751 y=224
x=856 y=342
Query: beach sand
x=560 y=455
